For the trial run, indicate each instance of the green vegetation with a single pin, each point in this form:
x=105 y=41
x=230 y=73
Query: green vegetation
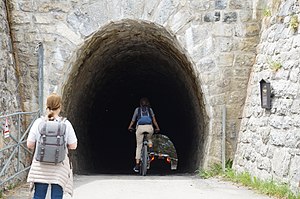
x=274 y=65
x=268 y=187
x=5 y=190
x=294 y=23
x=214 y=170
x=11 y=186
x=267 y=12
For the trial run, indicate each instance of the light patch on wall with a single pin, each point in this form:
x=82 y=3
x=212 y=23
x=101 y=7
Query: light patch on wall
x=59 y=60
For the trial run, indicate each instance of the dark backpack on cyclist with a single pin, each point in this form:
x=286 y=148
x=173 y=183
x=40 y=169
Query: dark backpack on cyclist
x=52 y=144
x=144 y=116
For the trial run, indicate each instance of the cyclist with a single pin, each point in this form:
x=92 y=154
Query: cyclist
x=144 y=118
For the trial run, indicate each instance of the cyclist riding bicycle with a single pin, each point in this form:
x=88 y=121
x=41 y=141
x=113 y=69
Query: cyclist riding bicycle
x=144 y=118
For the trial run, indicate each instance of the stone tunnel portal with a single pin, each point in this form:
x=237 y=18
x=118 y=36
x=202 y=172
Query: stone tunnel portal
x=120 y=64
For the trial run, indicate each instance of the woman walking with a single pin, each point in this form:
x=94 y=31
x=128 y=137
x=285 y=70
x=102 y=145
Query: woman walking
x=43 y=174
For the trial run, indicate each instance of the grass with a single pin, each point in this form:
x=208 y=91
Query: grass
x=7 y=189
x=215 y=170
x=267 y=187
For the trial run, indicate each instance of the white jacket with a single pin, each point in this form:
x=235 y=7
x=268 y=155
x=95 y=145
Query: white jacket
x=60 y=174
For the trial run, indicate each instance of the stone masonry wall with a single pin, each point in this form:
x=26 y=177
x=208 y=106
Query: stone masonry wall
x=218 y=36
x=269 y=142
x=9 y=101
x=9 y=95
x=220 y=39
x=9 y=98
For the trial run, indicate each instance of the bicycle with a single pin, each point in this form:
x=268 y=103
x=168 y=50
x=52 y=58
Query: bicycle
x=145 y=159
x=145 y=155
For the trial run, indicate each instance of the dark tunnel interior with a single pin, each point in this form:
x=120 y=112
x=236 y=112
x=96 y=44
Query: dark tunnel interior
x=123 y=64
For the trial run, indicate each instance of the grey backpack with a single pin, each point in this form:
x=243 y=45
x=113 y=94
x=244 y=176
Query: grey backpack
x=52 y=143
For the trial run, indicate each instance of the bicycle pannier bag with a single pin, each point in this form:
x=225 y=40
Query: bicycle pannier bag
x=145 y=117
x=51 y=145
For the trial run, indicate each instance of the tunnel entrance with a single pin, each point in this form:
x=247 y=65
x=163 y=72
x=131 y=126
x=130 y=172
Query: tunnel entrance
x=121 y=63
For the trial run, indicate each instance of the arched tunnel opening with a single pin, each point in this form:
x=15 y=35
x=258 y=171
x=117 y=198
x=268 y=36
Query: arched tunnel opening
x=121 y=63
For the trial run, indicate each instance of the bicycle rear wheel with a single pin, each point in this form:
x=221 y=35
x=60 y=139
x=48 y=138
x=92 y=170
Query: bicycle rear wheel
x=144 y=161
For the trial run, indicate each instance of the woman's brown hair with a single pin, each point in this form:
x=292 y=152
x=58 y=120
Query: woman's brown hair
x=53 y=103
x=144 y=102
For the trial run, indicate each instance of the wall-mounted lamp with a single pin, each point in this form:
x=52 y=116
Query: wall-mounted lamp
x=265 y=94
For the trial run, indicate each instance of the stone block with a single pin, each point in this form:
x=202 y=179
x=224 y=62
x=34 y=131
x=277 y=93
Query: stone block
x=263 y=175
x=21 y=18
x=208 y=79
x=291 y=139
x=212 y=16
x=209 y=17
x=202 y=50
x=243 y=71
x=149 y=9
x=265 y=134
x=244 y=59
x=220 y=4
x=224 y=44
x=285 y=89
x=164 y=10
x=252 y=29
x=223 y=30
x=217 y=100
x=28 y=6
x=284 y=106
x=264 y=164
x=132 y=8
x=63 y=30
x=280 y=162
x=295 y=108
x=179 y=20
x=225 y=59
x=195 y=34
x=54 y=7
x=245 y=15
x=217 y=16
x=42 y=19
x=250 y=156
x=230 y=17
x=295 y=170
x=239 y=163
x=277 y=138
x=296 y=42
x=197 y=6
x=235 y=98
x=240 y=4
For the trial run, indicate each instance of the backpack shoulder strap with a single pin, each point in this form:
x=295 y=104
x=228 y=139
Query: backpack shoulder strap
x=42 y=125
x=148 y=111
x=63 y=119
x=139 y=112
x=62 y=125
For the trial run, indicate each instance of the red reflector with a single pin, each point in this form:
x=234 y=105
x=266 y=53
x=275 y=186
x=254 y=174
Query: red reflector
x=152 y=158
x=168 y=160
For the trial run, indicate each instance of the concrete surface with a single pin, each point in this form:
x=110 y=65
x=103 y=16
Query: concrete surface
x=149 y=187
